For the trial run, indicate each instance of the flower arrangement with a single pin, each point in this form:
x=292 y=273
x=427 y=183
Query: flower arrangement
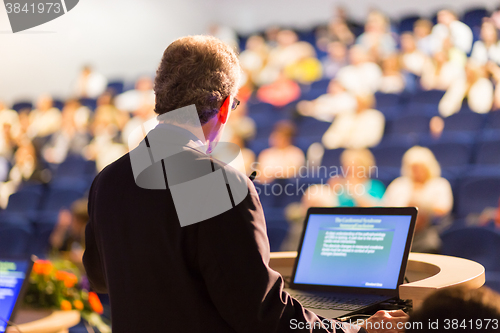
x=58 y=286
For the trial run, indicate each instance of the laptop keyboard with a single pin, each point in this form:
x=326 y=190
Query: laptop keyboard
x=347 y=302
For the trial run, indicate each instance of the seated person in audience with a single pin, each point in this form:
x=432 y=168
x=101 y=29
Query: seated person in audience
x=288 y=52
x=495 y=17
x=90 y=84
x=338 y=29
x=457 y=309
x=27 y=167
x=68 y=236
x=362 y=75
x=282 y=159
x=106 y=144
x=422 y=31
x=336 y=101
x=449 y=26
x=336 y=59
x=439 y=72
x=10 y=129
x=393 y=81
x=143 y=95
x=361 y=129
x=45 y=119
x=421 y=185
x=140 y=116
x=412 y=58
x=377 y=38
x=280 y=92
x=476 y=86
x=352 y=187
x=253 y=59
x=488 y=47
x=355 y=186
x=73 y=135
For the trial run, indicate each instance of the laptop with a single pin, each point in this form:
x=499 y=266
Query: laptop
x=14 y=280
x=351 y=259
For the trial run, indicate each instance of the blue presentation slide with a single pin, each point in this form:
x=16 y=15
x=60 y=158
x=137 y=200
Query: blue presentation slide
x=353 y=251
x=12 y=275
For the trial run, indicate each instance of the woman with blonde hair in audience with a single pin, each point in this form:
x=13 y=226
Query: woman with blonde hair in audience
x=355 y=186
x=421 y=185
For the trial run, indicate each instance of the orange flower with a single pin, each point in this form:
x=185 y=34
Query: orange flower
x=43 y=267
x=65 y=305
x=69 y=279
x=78 y=304
x=95 y=303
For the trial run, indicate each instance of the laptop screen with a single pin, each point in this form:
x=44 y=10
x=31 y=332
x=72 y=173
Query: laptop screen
x=13 y=273
x=353 y=250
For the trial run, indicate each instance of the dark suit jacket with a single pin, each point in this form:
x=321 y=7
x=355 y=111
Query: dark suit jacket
x=211 y=276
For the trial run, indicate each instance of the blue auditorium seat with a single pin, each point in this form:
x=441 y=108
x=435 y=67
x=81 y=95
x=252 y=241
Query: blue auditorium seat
x=410 y=124
x=464 y=122
x=331 y=157
x=58 y=103
x=116 y=86
x=493 y=121
x=321 y=85
x=427 y=97
x=285 y=192
x=386 y=100
x=389 y=156
x=406 y=23
x=488 y=153
x=15 y=237
x=478 y=244
x=91 y=103
x=308 y=126
x=452 y=156
x=60 y=198
x=18 y=106
x=257 y=145
x=474 y=17
x=24 y=203
x=477 y=193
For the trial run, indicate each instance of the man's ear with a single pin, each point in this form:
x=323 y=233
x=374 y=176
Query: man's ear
x=224 y=110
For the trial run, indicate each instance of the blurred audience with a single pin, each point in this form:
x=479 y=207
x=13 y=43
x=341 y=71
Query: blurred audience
x=282 y=159
x=90 y=84
x=361 y=129
x=362 y=75
x=45 y=119
x=355 y=186
x=68 y=236
x=377 y=38
x=422 y=186
x=141 y=97
x=335 y=102
x=449 y=27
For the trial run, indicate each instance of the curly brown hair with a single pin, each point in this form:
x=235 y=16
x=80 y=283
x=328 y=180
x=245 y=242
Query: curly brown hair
x=200 y=70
